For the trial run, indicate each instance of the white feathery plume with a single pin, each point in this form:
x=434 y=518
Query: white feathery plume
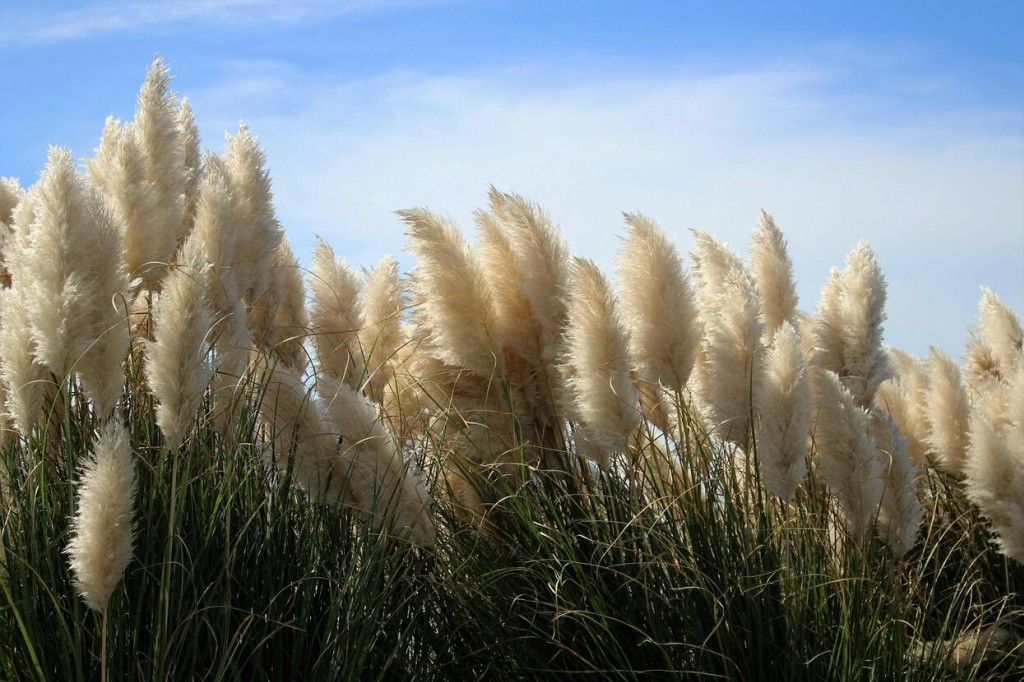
x=10 y=194
x=597 y=355
x=728 y=372
x=947 y=410
x=995 y=471
x=382 y=483
x=785 y=415
x=995 y=348
x=900 y=513
x=303 y=443
x=71 y=263
x=102 y=531
x=381 y=337
x=188 y=133
x=290 y=322
x=55 y=264
x=119 y=173
x=255 y=226
x=179 y=368
x=102 y=364
x=773 y=275
x=453 y=302
x=902 y=396
x=335 y=318
x=25 y=377
x=846 y=454
x=850 y=316
x=160 y=137
x=542 y=258
x=516 y=324
x=658 y=305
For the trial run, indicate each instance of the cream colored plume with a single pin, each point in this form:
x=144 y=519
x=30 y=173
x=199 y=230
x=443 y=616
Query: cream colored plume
x=164 y=151
x=287 y=331
x=516 y=325
x=453 y=301
x=995 y=468
x=728 y=372
x=849 y=330
x=773 y=274
x=597 y=358
x=335 y=318
x=303 y=442
x=179 y=368
x=383 y=485
x=119 y=172
x=102 y=531
x=947 y=409
x=900 y=513
x=846 y=453
x=101 y=366
x=902 y=397
x=255 y=226
x=381 y=337
x=192 y=160
x=10 y=194
x=542 y=261
x=68 y=264
x=27 y=380
x=995 y=349
x=658 y=306
x=785 y=415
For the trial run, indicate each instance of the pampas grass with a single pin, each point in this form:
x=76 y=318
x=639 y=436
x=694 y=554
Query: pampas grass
x=179 y=368
x=452 y=299
x=783 y=428
x=335 y=318
x=731 y=354
x=947 y=409
x=850 y=316
x=658 y=306
x=773 y=275
x=383 y=484
x=102 y=533
x=512 y=474
x=846 y=455
x=597 y=360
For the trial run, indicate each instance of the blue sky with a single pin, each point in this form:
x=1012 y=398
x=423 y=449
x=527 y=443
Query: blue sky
x=900 y=123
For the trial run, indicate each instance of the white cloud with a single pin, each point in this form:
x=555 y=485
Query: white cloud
x=32 y=25
x=938 y=197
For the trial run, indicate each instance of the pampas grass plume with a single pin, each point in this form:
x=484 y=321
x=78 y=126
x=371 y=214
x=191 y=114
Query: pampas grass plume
x=947 y=409
x=453 y=300
x=657 y=305
x=335 y=317
x=846 y=454
x=101 y=543
x=900 y=513
x=995 y=349
x=773 y=274
x=597 y=354
x=785 y=415
x=850 y=316
x=383 y=484
x=995 y=480
x=542 y=259
x=179 y=369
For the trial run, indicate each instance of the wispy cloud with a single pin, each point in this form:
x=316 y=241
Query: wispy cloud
x=690 y=151
x=30 y=24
